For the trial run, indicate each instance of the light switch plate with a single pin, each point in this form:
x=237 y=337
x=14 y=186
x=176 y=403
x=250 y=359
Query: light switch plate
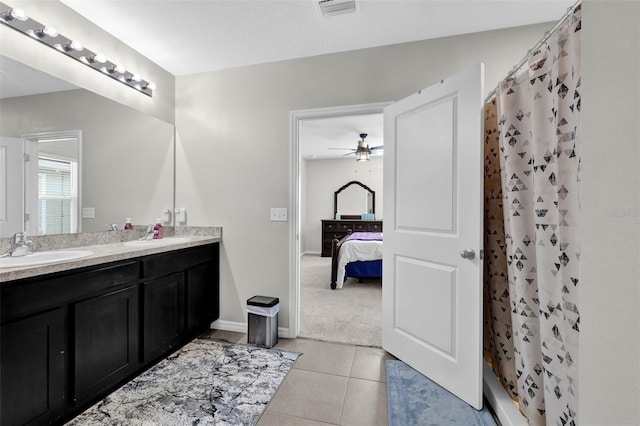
x=88 y=213
x=165 y=215
x=279 y=214
x=181 y=215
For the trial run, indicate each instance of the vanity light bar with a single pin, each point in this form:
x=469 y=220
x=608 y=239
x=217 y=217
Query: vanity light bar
x=18 y=20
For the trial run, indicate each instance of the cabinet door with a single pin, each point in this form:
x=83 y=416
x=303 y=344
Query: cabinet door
x=163 y=315
x=202 y=297
x=105 y=341
x=32 y=370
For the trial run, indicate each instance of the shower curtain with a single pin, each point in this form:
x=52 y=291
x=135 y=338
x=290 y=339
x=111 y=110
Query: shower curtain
x=538 y=115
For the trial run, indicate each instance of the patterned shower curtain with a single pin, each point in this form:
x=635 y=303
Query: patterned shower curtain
x=498 y=334
x=539 y=135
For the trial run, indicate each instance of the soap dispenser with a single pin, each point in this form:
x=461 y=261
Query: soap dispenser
x=158 y=230
x=127 y=224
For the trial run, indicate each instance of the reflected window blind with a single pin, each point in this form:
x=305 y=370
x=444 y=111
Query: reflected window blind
x=57 y=195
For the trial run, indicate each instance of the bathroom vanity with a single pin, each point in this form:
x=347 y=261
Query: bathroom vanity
x=71 y=336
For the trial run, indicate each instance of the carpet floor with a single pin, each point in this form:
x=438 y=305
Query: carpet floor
x=416 y=400
x=204 y=383
x=352 y=314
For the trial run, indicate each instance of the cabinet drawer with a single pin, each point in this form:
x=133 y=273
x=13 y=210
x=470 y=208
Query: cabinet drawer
x=334 y=235
x=360 y=227
x=329 y=226
x=166 y=263
x=35 y=295
x=375 y=227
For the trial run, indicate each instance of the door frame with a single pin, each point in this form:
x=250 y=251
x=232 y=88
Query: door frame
x=295 y=117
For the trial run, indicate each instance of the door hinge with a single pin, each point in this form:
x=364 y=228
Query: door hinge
x=27 y=218
x=26 y=157
x=481 y=254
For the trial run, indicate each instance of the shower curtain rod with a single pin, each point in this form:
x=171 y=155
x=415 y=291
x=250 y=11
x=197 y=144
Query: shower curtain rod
x=540 y=42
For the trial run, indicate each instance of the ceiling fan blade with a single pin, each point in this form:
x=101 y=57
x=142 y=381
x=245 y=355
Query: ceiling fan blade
x=377 y=147
x=344 y=149
x=346 y=155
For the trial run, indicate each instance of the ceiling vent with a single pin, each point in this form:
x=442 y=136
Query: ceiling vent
x=336 y=7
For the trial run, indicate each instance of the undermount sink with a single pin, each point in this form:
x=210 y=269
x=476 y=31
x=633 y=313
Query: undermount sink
x=156 y=243
x=43 y=258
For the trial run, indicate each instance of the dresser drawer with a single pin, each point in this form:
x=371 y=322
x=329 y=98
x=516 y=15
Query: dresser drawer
x=375 y=227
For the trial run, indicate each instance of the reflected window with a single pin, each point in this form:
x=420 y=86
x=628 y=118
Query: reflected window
x=57 y=196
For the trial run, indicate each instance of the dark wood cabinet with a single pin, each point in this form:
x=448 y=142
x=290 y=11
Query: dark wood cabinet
x=105 y=341
x=69 y=338
x=202 y=297
x=163 y=315
x=33 y=369
x=338 y=229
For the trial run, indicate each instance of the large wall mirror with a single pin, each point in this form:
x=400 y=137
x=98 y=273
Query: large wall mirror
x=354 y=199
x=121 y=159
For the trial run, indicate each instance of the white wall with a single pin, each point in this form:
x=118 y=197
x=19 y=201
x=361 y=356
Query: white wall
x=233 y=145
x=323 y=178
x=610 y=215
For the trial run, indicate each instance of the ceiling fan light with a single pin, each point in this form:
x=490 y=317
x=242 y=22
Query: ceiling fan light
x=362 y=156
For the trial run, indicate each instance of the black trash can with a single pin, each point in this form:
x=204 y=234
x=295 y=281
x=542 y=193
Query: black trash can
x=263 y=320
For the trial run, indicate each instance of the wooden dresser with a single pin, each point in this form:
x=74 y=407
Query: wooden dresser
x=339 y=228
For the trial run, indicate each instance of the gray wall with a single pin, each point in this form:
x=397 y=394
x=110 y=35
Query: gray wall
x=233 y=144
x=323 y=178
x=233 y=162
x=610 y=215
x=127 y=156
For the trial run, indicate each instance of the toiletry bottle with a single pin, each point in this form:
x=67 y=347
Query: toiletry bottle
x=158 y=231
x=127 y=224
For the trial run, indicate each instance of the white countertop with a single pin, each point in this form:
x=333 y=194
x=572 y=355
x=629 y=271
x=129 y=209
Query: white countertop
x=103 y=253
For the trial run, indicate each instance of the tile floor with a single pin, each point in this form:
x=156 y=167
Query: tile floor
x=330 y=384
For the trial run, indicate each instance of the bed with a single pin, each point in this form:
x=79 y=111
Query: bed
x=358 y=255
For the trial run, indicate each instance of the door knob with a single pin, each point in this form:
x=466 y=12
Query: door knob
x=467 y=254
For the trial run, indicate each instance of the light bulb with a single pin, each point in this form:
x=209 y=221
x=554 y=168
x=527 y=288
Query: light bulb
x=73 y=45
x=135 y=77
x=15 y=13
x=150 y=86
x=47 y=32
x=98 y=58
x=117 y=69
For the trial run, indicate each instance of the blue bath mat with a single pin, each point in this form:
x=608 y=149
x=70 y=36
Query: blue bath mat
x=416 y=400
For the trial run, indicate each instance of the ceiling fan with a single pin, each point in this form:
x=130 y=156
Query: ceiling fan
x=363 y=150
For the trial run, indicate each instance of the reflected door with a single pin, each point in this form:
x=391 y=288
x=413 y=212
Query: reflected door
x=432 y=311
x=11 y=187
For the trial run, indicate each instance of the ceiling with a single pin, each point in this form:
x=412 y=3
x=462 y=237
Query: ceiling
x=191 y=36
x=186 y=37
x=334 y=137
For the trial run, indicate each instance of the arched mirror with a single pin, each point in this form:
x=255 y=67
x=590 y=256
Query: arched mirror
x=354 y=199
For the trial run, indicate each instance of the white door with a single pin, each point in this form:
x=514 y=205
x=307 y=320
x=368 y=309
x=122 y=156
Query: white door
x=11 y=187
x=432 y=297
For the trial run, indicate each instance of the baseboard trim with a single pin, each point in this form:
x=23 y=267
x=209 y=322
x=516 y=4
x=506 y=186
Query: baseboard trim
x=502 y=405
x=310 y=252
x=241 y=327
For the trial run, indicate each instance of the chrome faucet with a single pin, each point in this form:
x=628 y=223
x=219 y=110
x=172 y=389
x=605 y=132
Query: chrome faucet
x=147 y=235
x=20 y=246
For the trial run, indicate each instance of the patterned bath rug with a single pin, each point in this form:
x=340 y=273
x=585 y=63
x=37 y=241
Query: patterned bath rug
x=204 y=383
x=416 y=400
